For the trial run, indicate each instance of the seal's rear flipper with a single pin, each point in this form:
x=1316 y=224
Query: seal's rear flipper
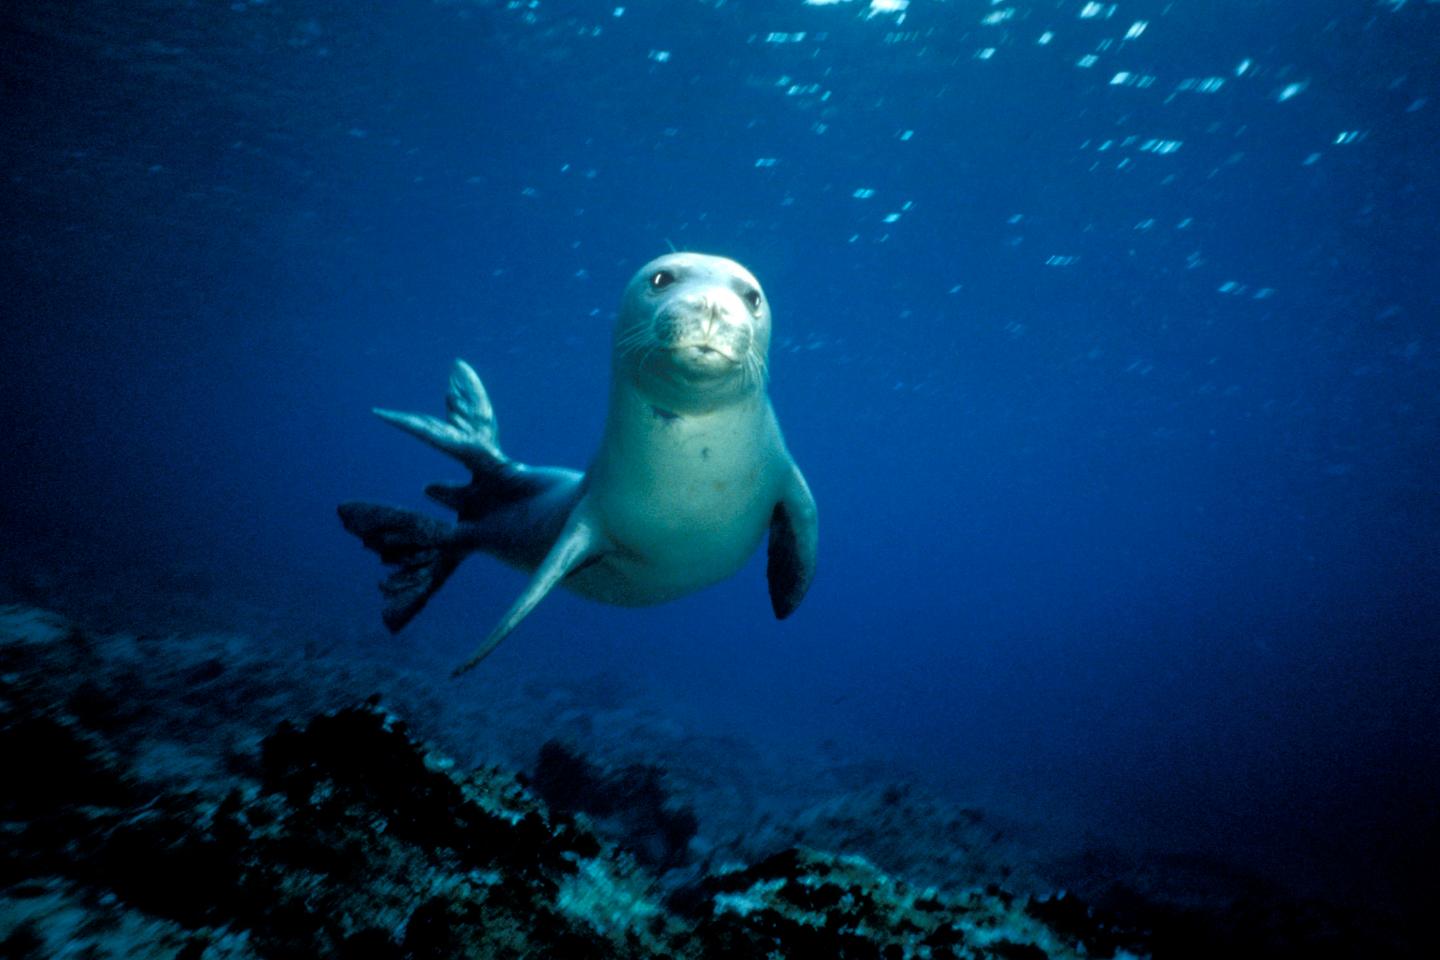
x=421 y=548
x=578 y=543
x=469 y=434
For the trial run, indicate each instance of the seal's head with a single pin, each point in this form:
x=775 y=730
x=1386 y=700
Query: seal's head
x=693 y=325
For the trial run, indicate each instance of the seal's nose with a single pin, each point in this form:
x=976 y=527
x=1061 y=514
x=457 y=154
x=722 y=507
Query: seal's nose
x=721 y=305
x=712 y=314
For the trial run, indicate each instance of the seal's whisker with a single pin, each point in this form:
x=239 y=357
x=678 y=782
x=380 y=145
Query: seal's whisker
x=757 y=370
x=645 y=357
x=635 y=334
x=634 y=343
x=636 y=340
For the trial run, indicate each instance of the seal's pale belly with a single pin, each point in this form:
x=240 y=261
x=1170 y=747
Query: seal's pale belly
x=686 y=500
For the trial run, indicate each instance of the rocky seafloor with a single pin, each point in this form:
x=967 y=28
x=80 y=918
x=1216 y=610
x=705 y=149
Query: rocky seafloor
x=190 y=796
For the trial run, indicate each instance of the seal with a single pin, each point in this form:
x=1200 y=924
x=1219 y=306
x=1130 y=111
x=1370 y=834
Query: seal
x=691 y=473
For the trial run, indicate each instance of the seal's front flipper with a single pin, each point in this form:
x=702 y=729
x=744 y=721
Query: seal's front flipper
x=423 y=551
x=578 y=542
x=794 y=537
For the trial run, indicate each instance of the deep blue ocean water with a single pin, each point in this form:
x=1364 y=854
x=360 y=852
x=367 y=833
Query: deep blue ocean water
x=1106 y=335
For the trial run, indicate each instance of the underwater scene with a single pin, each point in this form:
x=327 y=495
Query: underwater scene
x=969 y=483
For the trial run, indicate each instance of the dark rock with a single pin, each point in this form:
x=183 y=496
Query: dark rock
x=630 y=804
x=50 y=762
x=25 y=943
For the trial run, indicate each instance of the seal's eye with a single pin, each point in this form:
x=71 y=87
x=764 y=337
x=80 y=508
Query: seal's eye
x=661 y=279
x=752 y=297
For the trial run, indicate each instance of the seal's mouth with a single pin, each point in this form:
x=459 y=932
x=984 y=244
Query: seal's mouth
x=704 y=354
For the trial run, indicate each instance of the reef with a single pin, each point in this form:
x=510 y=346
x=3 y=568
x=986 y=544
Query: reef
x=346 y=836
x=630 y=804
x=127 y=833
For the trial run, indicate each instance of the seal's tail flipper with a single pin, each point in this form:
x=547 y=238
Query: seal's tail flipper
x=468 y=433
x=420 y=548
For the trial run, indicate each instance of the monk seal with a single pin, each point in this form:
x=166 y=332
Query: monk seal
x=691 y=473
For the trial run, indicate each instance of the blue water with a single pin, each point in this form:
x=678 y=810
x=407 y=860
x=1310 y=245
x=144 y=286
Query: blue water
x=1115 y=378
